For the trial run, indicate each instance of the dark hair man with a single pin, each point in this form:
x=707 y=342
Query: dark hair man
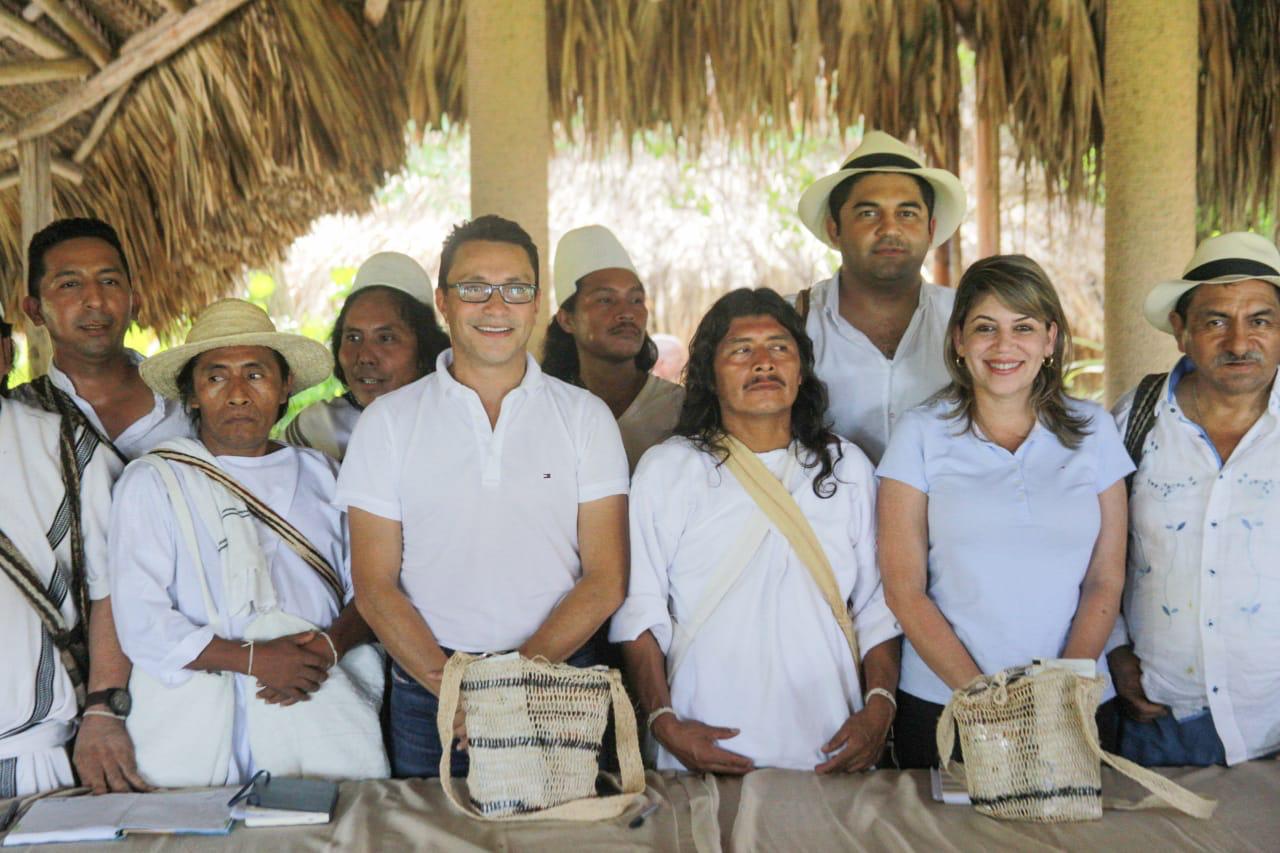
x=719 y=595
x=877 y=327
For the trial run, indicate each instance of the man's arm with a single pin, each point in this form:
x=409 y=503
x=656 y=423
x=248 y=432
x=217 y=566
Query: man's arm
x=604 y=549
x=693 y=743
x=377 y=546
x=104 y=756
x=860 y=741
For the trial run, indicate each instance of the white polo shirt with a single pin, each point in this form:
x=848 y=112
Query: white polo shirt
x=489 y=514
x=1010 y=534
x=868 y=392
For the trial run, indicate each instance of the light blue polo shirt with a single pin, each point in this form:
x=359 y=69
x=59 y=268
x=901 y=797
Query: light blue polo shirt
x=1010 y=534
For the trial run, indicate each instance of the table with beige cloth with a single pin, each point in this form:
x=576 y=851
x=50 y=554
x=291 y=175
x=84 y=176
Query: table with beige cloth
x=771 y=810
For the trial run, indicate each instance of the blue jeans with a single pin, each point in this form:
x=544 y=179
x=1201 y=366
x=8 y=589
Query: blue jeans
x=1165 y=742
x=415 y=744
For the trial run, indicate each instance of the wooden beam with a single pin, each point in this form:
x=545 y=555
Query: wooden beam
x=100 y=124
x=90 y=43
x=375 y=11
x=986 y=170
x=154 y=45
x=45 y=71
x=178 y=7
x=36 y=177
x=30 y=37
x=60 y=167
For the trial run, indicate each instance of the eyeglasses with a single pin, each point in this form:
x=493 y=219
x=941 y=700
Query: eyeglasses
x=513 y=293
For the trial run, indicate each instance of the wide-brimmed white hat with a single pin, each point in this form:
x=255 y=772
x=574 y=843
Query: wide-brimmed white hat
x=1234 y=256
x=397 y=271
x=236 y=323
x=880 y=152
x=583 y=251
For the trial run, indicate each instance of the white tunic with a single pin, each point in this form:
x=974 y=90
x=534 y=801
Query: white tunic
x=1202 y=601
x=869 y=392
x=489 y=513
x=325 y=425
x=156 y=595
x=37 y=701
x=771 y=659
x=650 y=418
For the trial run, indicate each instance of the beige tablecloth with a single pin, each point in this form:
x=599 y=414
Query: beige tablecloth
x=770 y=810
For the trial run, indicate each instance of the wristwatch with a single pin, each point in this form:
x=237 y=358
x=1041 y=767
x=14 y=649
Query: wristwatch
x=117 y=700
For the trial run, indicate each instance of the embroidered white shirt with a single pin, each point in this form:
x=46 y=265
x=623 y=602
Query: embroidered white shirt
x=1202 y=600
x=1010 y=534
x=489 y=513
x=770 y=659
x=869 y=392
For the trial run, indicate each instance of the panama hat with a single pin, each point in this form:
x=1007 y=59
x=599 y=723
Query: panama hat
x=236 y=323
x=1234 y=256
x=583 y=251
x=880 y=152
x=397 y=271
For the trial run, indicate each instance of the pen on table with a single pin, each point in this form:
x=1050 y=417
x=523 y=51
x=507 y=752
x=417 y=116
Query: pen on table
x=638 y=820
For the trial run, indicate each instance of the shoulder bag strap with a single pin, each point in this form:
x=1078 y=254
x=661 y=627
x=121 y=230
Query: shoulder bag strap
x=292 y=537
x=802 y=303
x=781 y=509
x=1142 y=417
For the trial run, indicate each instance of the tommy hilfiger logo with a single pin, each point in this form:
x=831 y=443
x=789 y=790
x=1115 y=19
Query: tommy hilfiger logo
x=546 y=476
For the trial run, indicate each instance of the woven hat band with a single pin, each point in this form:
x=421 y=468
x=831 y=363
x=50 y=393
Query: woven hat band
x=879 y=161
x=1229 y=266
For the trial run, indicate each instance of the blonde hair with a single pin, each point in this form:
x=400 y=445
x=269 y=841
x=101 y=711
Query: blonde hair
x=1022 y=286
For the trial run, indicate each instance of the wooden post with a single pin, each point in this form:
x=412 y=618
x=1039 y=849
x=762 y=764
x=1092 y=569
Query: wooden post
x=986 y=168
x=35 y=173
x=508 y=110
x=1153 y=63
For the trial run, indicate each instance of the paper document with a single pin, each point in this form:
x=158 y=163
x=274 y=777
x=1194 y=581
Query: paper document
x=108 y=817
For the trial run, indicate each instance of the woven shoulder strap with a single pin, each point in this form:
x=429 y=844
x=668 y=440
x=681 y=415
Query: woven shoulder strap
x=803 y=299
x=42 y=393
x=589 y=808
x=70 y=640
x=1142 y=417
x=292 y=537
x=781 y=508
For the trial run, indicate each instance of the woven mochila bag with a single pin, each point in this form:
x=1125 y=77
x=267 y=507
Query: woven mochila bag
x=534 y=732
x=1031 y=752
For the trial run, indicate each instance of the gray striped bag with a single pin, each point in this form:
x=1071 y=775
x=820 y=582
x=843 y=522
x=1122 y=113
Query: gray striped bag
x=534 y=732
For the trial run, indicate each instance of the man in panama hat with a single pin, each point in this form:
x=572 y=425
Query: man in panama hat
x=877 y=327
x=229 y=569
x=1196 y=658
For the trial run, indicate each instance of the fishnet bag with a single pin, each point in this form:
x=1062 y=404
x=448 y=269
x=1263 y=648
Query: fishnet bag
x=1031 y=751
x=535 y=731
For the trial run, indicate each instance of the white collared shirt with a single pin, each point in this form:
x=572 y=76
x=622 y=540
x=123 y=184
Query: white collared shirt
x=165 y=420
x=650 y=418
x=489 y=513
x=868 y=392
x=770 y=659
x=1202 y=598
x=1010 y=534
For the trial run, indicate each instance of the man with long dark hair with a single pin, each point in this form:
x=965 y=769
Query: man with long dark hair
x=597 y=339
x=753 y=572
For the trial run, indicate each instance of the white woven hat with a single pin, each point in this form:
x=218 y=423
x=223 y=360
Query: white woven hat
x=397 y=271
x=880 y=152
x=583 y=251
x=1234 y=256
x=236 y=323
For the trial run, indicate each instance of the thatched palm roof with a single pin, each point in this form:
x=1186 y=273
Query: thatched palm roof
x=220 y=155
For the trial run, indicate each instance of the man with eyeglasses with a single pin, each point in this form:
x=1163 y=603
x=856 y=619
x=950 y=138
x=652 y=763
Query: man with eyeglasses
x=487 y=501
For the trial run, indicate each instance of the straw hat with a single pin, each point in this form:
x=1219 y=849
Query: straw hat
x=236 y=323
x=880 y=152
x=1235 y=256
x=394 y=270
x=583 y=251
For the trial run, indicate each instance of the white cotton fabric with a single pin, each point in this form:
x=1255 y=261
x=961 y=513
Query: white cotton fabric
x=489 y=514
x=325 y=425
x=37 y=701
x=771 y=659
x=868 y=392
x=650 y=418
x=1010 y=534
x=157 y=598
x=1202 y=598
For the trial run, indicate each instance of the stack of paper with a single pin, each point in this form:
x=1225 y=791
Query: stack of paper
x=110 y=816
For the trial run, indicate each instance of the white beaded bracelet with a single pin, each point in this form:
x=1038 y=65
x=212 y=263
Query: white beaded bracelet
x=880 y=691
x=93 y=713
x=249 y=645
x=332 y=647
x=658 y=712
